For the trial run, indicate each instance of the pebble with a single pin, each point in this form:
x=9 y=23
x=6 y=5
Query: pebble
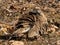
x=16 y=42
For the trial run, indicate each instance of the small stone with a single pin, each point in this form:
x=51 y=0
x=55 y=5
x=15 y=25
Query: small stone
x=16 y=42
x=58 y=42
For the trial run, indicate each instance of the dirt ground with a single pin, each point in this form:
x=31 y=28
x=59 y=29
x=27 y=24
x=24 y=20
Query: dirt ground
x=11 y=11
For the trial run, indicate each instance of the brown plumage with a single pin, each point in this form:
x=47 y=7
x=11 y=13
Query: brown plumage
x=32 y=21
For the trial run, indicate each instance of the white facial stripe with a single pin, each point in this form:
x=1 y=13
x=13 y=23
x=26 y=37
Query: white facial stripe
x=26 y=29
